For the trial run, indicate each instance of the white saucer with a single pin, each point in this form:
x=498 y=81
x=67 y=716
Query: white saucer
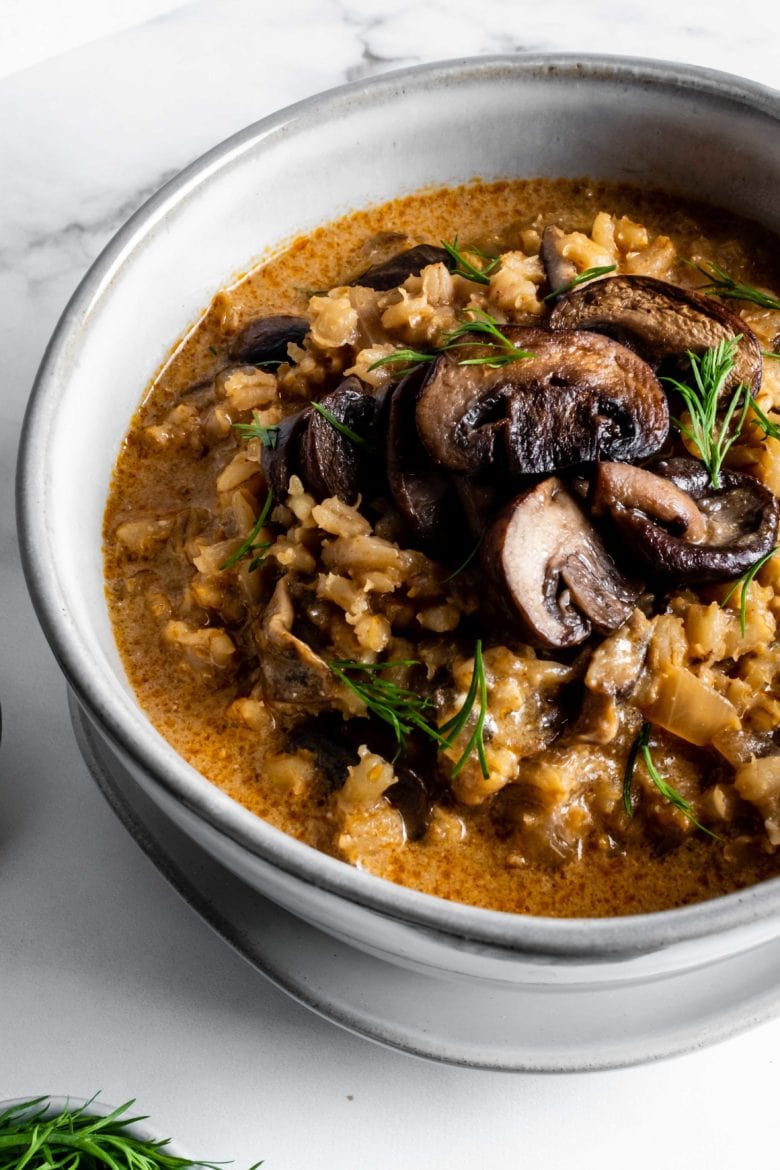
x=513 y=1028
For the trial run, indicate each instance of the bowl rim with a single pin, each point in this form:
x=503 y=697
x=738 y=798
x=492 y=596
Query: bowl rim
x=121 y=718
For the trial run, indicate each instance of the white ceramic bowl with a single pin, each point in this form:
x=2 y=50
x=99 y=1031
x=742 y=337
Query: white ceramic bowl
x=688 y=130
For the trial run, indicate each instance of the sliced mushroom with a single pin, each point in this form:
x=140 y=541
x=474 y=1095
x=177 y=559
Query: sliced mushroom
x=333 y=753
x=291 y=673
x=266 y=339
x=661 y=321
x=395 y=271
x=419 y=490
x=550 y=573
x=481 y=501
x=282 y=461
x=558 y=269
x=334 y=742
x=736 y=525
x=620 y=487
x=578 y=398
x=333 y=464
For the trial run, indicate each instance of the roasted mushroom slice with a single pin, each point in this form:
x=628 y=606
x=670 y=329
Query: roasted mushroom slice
x=291 y=673
x=661 y=321
x=418 y=488
x=395 y=271
x=620 y=488
x=578 y=398
x=549 y=570
x=283 y=459
x=266 y=339
x=693 y=533
x=332 y=463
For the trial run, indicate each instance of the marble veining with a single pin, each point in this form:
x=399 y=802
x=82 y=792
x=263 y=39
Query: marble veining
x=105 y=980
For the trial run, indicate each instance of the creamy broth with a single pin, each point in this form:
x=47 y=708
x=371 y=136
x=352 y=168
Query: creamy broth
x=547 y=832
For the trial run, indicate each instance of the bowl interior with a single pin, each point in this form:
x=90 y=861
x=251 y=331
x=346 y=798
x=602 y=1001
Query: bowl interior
x=684 y=130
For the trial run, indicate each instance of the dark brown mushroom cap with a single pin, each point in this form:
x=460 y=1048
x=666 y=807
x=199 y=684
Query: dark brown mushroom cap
x=266 y=339
x=661 y=321
x=579 y=398
x=395 y=271
x=332 y=464
x=283 y=459
x=334 y=742
x=481 y=500
x=550 y=573
x=740 y=523
x=417 y=486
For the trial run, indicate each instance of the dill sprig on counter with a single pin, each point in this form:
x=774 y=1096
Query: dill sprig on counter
x=713 y=433
x=251 y=546
x=268 y=436
x=581 y=278
x=464 y=267
x=74 y=1139
x=744 y=581
x=406 y=711
x=722 y=285
x=641 y=747
x=343 y=429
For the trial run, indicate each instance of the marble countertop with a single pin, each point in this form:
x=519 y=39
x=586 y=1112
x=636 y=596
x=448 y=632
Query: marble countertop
x=107 y=980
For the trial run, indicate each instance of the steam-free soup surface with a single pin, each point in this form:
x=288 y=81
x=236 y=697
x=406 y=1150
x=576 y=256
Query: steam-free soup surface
x=194 y=588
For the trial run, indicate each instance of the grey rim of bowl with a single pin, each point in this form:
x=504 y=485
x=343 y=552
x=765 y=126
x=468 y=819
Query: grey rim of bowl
x=123 y=721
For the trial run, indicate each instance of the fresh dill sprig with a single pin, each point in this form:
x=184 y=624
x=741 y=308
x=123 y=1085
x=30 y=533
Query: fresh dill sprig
x=74 y=1139
x=409 y=359
x=251 y=546
x=628 y=775
x=713 y=436
x=453 y=727
x=343 y=429
x=465 y=563
x=641 y=746
x=489 y=333
x=503 y=351
x=464 y=267
x=771 y=353
x=401 y=707
x=744 y=581
x=581 y=278
x=722 y=285
x=762 y=420
x=268 y=436
x=405 y=710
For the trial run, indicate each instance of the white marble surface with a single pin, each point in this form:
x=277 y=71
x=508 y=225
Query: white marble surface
x=107 y=981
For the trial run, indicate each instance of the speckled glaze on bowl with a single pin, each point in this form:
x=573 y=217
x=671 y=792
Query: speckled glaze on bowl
x=688 y=130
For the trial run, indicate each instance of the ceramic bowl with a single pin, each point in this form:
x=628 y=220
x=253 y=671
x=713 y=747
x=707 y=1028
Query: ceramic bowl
x=688 y=130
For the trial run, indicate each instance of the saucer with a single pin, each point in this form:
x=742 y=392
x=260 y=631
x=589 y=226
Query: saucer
x=501 y=1027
